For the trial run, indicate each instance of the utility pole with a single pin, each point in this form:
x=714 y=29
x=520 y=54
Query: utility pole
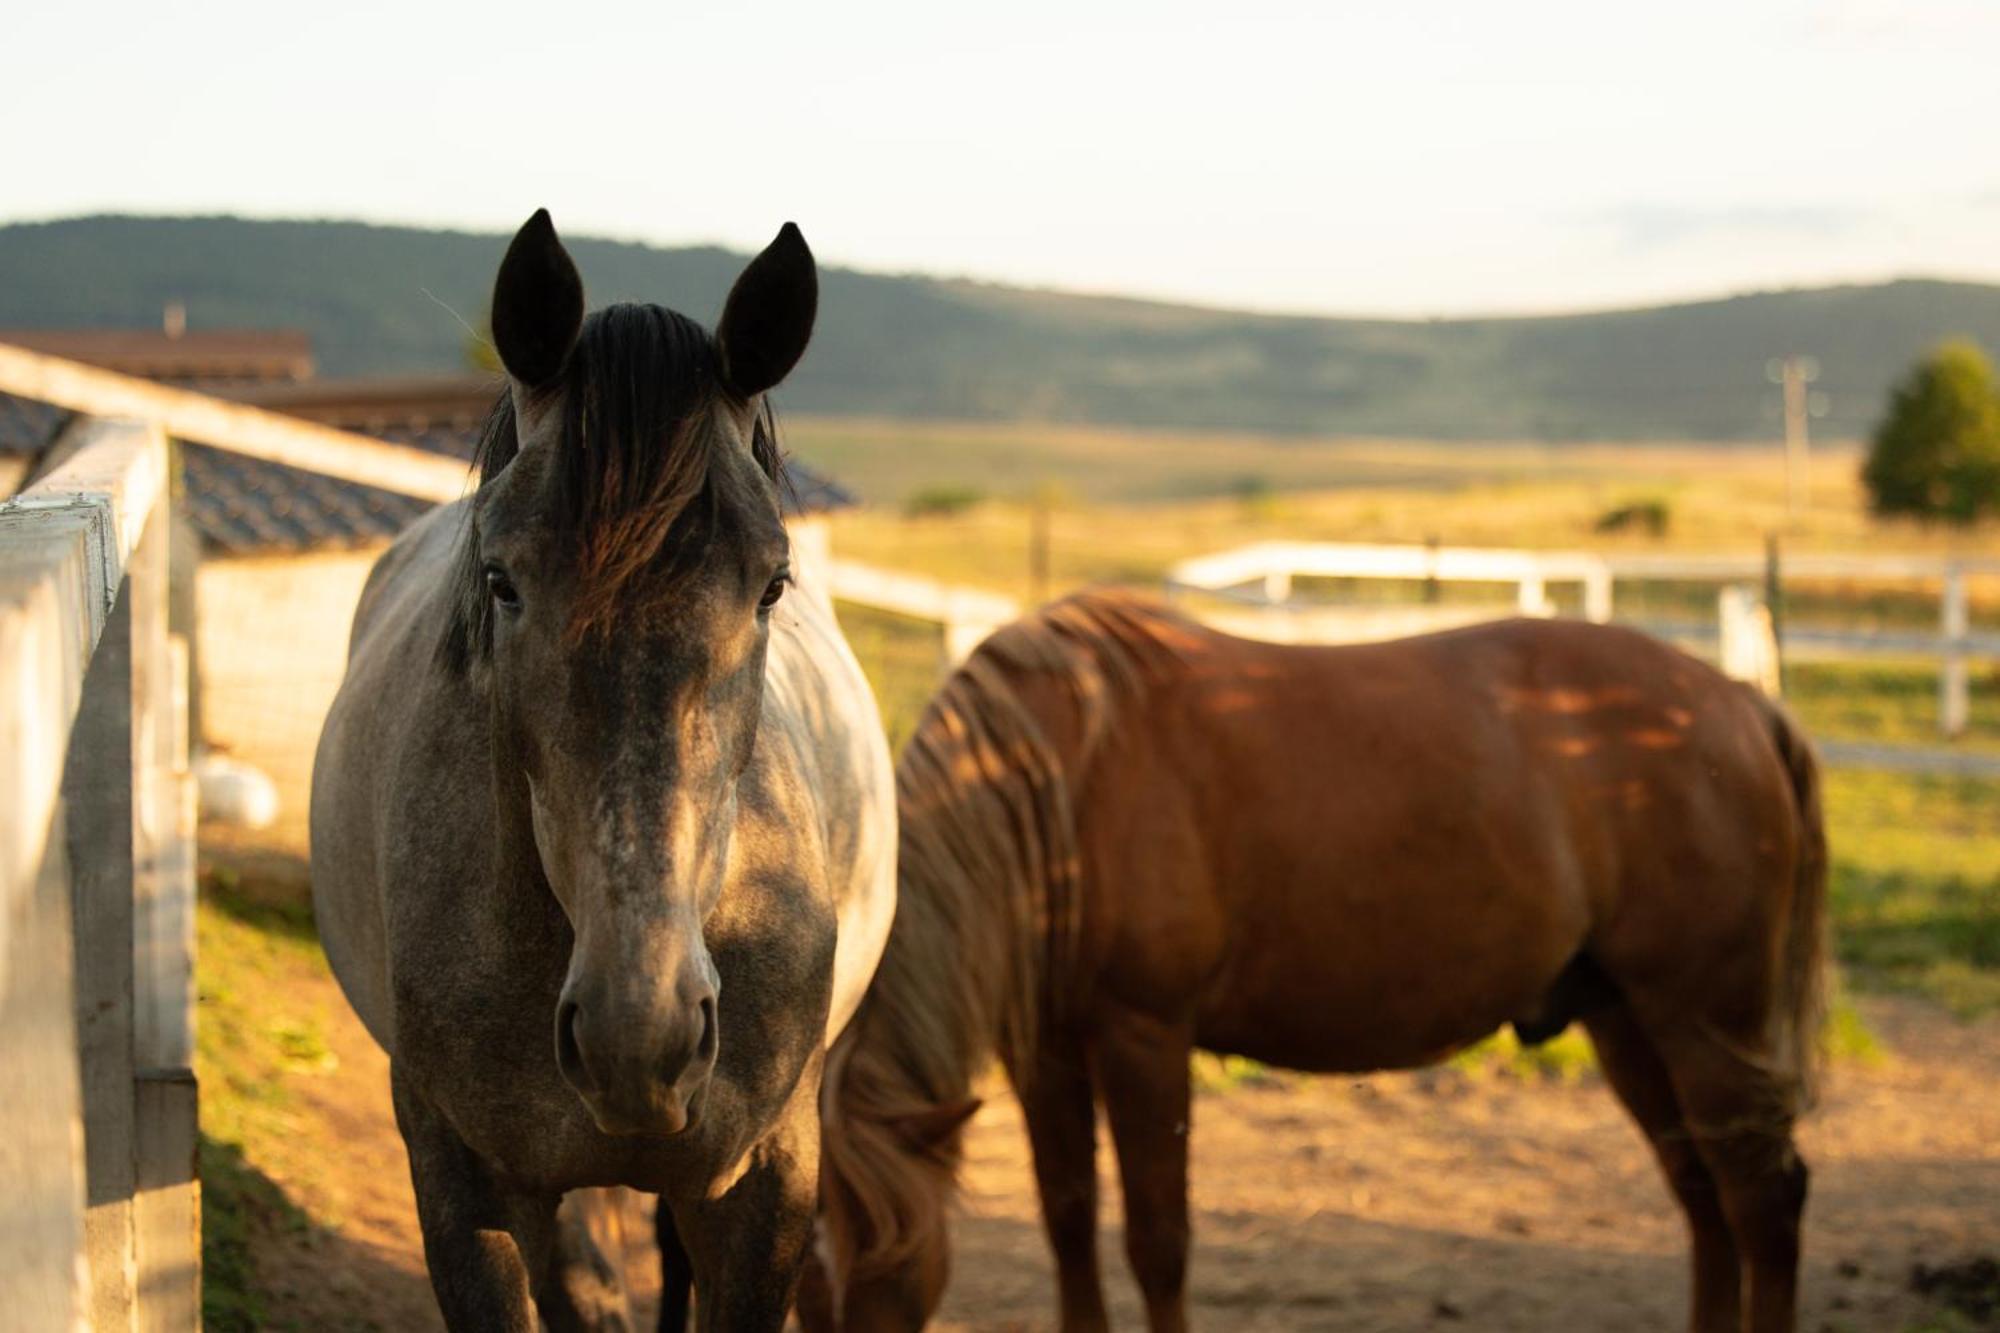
x=1040 y=501
x=1793 y=373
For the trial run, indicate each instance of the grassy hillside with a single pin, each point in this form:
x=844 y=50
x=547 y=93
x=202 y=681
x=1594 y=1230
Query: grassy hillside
x=380 y=299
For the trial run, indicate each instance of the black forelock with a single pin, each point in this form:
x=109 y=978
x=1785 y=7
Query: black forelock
x=631 y=471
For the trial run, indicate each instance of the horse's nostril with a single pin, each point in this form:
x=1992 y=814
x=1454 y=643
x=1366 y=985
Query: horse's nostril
x=569 y=1055
x=710 y=1038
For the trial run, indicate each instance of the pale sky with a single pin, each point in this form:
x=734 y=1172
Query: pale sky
x=1403 y=158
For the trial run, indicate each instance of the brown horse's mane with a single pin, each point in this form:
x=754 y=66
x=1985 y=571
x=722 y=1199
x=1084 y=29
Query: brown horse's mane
x=632 y=484
x=990 y=903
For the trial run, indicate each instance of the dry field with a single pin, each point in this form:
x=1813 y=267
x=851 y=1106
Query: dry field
x=1483 y=1197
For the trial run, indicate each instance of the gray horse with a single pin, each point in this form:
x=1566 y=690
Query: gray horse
x=603 y=823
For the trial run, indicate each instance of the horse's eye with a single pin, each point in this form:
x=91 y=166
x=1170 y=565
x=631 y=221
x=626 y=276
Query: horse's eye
x=502 y=588
x=773 y=591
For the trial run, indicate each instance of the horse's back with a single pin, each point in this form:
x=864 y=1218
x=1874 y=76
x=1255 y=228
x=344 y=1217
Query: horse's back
x=1276 y=827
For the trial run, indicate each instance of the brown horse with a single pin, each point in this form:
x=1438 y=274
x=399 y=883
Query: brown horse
x=1125 y=836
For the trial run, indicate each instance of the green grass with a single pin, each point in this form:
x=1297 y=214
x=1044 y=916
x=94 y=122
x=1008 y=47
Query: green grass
x=1888 y=704
x=1916 y=884
x=904 y=662
x=237 y=1200
x=249 y=1043
x=1209 y=1072
x=1564 y=1058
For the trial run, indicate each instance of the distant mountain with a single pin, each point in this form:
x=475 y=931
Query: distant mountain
x=382 y=300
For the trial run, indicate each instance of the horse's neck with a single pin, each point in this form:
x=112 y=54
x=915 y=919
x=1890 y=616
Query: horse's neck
x=964 y=976
x=815 y=690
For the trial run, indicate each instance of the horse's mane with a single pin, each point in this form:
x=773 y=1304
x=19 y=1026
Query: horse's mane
x=632 y=480
x=990 y=900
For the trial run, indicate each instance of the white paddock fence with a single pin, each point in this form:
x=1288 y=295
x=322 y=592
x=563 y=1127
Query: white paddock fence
x=99 y=1225
x=1254 y=585
x=966 y=615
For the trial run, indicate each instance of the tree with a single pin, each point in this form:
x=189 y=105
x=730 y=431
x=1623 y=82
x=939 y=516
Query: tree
x=1936 y=454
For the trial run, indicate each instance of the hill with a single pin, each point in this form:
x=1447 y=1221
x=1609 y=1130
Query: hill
x=381 y=299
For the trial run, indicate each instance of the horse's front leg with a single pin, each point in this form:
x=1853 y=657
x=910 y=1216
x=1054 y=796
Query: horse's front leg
x=748 y=1242
x=1142 y=1070
x=1061 y=1115
x=469 y=1222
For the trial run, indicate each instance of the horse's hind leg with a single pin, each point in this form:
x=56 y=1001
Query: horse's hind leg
x=1143 y=1072
x=1739 y=1108
x=582 y=1285
x=1634 y=1070
x=1062 y=1133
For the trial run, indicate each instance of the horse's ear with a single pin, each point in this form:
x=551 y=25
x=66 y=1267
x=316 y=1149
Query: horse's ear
x=769 y=315
x=928 y=1130
x=537 y=304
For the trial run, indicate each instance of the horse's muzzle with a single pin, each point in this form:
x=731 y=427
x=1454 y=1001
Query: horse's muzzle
x=632 y=1080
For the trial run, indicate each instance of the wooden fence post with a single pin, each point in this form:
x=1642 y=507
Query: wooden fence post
x=83 y=569
x=166 y=1219
x=1747 y=648
x=1954 y=688
x=1532 y=598
x=45 y=632
x=1774 y=607
x=1597 y=594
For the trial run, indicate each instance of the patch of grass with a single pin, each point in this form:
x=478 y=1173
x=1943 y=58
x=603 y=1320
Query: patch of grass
x=250 y=1041
x=1969 y=1290
x=236 y=1201
x=1225 y=1073
x=903 y=660
x=1564 y=1058
x=941 y=501
x=1945 y=1321
x=1916 y=885
x=1849 y=1039
x=1887 y=704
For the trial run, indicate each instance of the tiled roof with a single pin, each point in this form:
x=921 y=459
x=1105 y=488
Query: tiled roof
x=28 y=427
x=245 y=505
x=814 y=492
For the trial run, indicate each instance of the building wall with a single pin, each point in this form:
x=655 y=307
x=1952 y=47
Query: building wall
x=272 y=644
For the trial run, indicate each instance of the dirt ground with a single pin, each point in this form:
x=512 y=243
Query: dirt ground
x=1396 y=1202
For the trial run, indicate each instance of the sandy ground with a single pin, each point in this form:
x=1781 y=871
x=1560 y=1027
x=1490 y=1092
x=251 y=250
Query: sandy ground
x=1396 y=1202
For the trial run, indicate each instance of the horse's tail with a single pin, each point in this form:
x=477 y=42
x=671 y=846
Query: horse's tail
x=1803 y=997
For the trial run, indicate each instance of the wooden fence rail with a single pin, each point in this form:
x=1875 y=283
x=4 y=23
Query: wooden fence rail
x=97 y=1094
x=238 y=427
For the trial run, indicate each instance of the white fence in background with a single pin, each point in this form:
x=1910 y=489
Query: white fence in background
x=97 y=1098
x=967 y=615
x=1258 y=581
x=1271 y=566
